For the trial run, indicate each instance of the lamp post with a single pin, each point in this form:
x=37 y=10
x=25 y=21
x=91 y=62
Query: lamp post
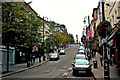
x=104 y=42
x=43 y=41
x=84 y=30
x=106 y=61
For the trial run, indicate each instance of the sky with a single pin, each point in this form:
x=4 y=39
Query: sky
x=71 y=13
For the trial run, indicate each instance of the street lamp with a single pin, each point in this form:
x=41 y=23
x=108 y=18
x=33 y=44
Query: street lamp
x=104 y=41
x=84 y=21
x=43 y=46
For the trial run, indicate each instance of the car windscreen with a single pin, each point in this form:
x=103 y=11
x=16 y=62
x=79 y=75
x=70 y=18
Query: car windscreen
x=82 y=63
x=80 y=57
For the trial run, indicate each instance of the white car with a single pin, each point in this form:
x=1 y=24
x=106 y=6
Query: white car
x=80 y=56
x=62 y=51
x=54 y=56
x=81 y=50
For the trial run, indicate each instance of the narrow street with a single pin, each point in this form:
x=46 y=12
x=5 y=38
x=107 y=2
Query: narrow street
x=60 y=39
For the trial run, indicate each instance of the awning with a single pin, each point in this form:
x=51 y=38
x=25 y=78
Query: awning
x=114 y=33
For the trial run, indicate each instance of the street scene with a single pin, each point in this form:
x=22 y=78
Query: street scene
x=59 y=44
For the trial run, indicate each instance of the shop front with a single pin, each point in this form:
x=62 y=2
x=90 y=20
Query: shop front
x=114 y=40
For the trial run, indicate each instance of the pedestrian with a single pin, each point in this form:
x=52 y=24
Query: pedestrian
x=31 y=62
x=86 y=53
x=33 y=58
x=112 y=60
x=101 y=59
x=89 y=56
x=28 y=60
x=39 y=57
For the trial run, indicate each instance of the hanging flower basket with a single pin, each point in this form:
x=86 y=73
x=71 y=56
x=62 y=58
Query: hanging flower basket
x=103 y=28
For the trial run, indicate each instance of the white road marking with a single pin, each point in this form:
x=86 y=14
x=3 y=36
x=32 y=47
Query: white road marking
x=66 y=73
x=61 y=70
x=69 y=69
x=69 y=74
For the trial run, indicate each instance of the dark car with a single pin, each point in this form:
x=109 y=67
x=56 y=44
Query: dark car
x=81 y=67
x=54 y=56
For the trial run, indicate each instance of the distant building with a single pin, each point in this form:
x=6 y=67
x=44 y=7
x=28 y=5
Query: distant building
x=61 y=28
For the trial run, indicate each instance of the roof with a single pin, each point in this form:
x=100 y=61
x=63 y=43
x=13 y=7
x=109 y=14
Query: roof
x=80 y=55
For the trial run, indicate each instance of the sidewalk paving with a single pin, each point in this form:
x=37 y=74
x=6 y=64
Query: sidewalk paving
x=13 y=69
x=99 y=71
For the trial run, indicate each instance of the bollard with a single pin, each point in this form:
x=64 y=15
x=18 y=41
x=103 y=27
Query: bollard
x=106 y=70
x=95 y=63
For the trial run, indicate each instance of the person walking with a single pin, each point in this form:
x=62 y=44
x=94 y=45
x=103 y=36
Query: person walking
x=101 y=59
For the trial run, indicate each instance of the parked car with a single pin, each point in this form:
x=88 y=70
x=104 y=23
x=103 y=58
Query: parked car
x=81 y=67
x=80 y=56
x=81 y=50
x=62 y=51
x=81 y=47
x=54 y=56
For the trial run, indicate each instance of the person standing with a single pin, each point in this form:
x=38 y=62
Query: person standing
x=101 y=59
x=89 y=56
x=33 y=57
x=39 y=57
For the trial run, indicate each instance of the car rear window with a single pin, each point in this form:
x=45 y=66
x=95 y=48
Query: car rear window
x=80 y=57
x=81 y=62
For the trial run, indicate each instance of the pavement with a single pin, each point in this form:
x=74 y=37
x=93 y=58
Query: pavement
x=99 y=71
x=17 y=68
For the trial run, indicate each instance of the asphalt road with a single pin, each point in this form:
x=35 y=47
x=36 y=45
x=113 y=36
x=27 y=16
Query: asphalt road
x=53 y=69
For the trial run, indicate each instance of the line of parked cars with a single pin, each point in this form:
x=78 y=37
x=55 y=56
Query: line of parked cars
x=80 y=65
x=81 y=50
x=56 y=54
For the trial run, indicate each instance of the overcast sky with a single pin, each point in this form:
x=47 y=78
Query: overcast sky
x=71 y=13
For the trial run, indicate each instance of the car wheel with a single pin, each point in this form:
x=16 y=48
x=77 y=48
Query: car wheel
x=89 y=73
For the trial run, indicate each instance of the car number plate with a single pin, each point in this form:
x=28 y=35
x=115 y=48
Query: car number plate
x=81 y=71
